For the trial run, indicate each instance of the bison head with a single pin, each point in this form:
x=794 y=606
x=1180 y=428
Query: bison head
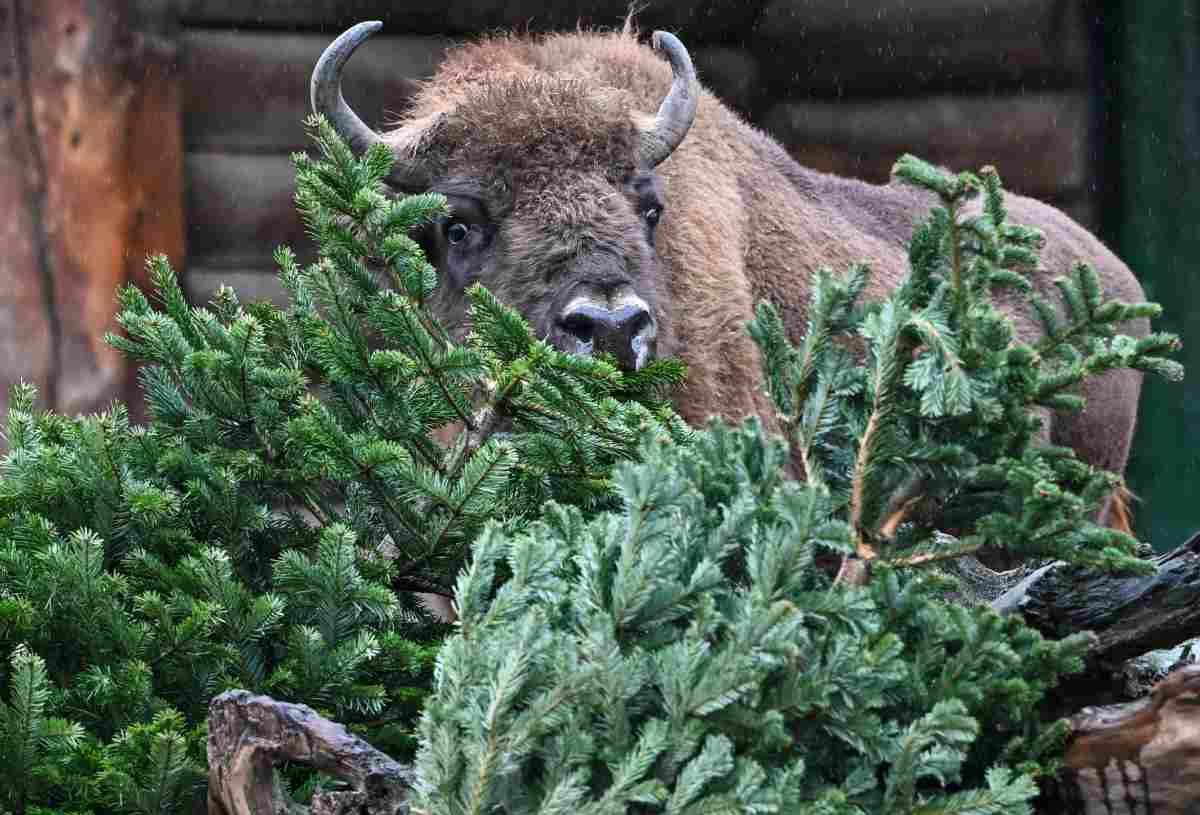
x=553 y=196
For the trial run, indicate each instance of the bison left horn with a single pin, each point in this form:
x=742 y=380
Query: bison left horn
x=326 y=93
x=678 y=110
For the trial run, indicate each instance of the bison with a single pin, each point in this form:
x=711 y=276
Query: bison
x=619 y=206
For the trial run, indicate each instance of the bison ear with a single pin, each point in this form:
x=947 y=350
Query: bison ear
x=678 y=110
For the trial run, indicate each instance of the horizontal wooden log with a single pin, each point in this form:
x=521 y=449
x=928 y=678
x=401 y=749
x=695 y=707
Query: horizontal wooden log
x=823 y=45
x=1038 y=142
x=707 y=17
x=240 y=207
x=1129 y=616
x=1129 y=759
x=248 y=92
x=731 y=73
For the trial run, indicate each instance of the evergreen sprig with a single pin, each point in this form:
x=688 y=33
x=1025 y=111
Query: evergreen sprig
x=941 y=415
x=621 y=667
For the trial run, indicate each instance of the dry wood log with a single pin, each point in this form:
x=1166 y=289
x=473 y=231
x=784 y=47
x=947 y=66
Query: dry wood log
x=1126 y=759
x=248 y=736
x=1037 y=140
x=1136 y=758
x=240 y=208
x=698 y=17
x=1129 y=616
x=202 y=282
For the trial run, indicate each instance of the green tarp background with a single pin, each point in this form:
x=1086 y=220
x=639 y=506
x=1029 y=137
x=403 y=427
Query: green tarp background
x=1152 y=218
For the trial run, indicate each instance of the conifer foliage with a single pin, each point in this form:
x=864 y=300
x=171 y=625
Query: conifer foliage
x=268 y=526
x=690 y=653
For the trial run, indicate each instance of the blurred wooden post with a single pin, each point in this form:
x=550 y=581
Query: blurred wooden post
x=91 y=180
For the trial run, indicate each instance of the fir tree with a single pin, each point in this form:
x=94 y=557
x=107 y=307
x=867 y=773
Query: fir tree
x=689 y=653
x=31 y=741
x=938 y=428
x=268 y=526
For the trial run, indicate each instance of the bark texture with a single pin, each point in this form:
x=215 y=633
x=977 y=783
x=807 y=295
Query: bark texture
x=91 y=131
x=248 y=736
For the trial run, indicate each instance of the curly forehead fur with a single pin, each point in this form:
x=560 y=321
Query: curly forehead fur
x=528 y=104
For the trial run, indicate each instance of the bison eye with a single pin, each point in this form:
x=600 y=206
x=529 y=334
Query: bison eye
x=652 y=214
x=456 y=231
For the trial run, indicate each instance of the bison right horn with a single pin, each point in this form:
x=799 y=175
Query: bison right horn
x=678 y=111
x=326 y=91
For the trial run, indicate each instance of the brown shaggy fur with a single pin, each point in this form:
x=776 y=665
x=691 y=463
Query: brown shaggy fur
x=541 y=132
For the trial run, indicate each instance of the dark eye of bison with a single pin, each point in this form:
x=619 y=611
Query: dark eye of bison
x=456 y=231
x=652 y=214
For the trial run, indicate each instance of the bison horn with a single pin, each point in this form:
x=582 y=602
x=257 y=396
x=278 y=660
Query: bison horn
x=678 y=110
x=326 y=92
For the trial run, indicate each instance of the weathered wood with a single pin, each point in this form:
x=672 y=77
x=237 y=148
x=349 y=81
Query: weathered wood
x=248 y=92
x=824 y=46
x=248 y=736
x=1129 y=616
x=1037 y=141
x=696 y=17
x=1137 y=758
x=105 y=125
x=27 y=325
x=241 y=208
x=730 y=73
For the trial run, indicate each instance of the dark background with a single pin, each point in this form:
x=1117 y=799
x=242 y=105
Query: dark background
x=167 y=124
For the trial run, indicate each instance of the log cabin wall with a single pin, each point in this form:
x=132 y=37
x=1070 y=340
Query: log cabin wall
x=846 y=86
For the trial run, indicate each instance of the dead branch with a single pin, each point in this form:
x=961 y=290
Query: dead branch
x=248 y=736
x=1130 y=616
x=1139 y=757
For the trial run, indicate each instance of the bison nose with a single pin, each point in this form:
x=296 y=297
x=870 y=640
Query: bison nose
x=626 y=332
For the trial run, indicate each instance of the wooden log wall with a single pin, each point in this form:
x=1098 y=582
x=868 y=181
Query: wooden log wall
x=847 y=87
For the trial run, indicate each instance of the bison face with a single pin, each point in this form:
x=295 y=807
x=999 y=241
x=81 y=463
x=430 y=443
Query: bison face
x=552 y=194
x=577 y=259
